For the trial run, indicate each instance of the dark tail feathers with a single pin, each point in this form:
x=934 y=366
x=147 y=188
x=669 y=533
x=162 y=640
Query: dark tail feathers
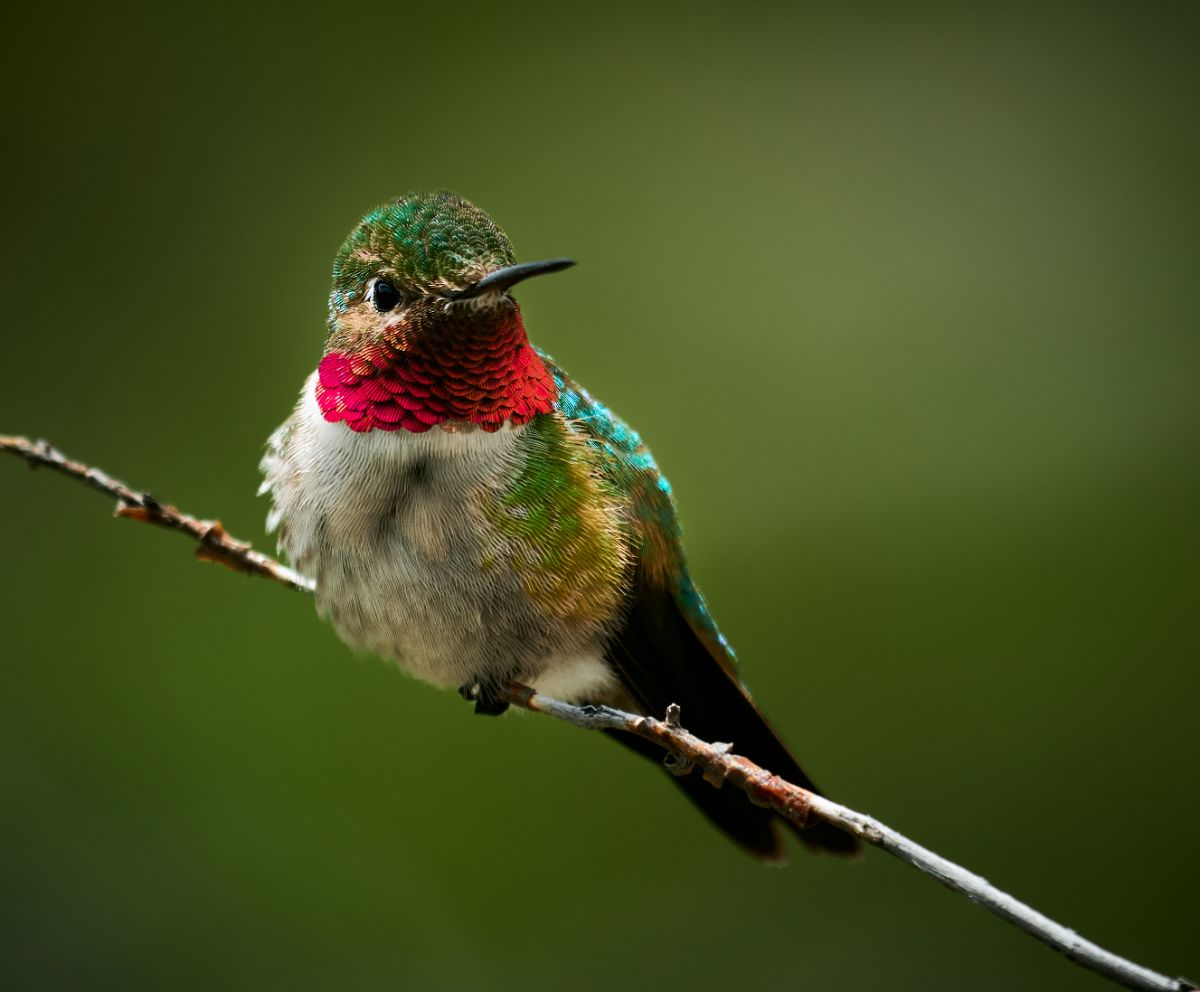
x=661 y=660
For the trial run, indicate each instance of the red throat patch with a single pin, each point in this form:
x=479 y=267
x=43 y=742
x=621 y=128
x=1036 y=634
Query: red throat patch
x=388 y=386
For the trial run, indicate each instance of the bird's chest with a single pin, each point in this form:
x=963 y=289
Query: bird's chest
x=462 y=555
x=395 y=536
x=407 y=513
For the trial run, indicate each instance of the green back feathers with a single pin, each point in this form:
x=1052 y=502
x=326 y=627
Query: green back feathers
x=622 y=459
x=555 y=529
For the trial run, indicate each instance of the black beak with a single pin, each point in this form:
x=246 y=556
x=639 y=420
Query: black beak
x=509 y=276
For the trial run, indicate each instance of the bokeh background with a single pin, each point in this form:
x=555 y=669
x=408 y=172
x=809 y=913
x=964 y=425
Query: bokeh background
x=905 y=298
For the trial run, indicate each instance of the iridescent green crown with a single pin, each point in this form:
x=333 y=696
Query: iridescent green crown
x=422 y=239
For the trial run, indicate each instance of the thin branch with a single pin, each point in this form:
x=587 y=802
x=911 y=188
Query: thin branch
x=684 y=751
x=720 y=766
x=214 y=543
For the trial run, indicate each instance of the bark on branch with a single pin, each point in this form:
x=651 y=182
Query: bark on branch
x=683 y=751
x=213 y=543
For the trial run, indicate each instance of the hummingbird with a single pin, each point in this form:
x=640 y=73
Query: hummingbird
x=470 y=512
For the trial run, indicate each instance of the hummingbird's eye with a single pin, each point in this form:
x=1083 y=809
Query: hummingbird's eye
x=385 y=296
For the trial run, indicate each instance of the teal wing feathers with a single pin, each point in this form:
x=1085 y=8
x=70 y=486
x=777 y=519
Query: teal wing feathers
x=630 y=469
x=668 y=648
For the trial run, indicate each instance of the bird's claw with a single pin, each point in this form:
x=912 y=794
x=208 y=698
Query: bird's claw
x=486 y=697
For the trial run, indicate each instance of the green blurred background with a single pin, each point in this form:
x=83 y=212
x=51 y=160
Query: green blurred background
x=905 y=299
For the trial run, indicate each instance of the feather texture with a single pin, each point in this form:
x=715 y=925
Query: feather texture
x=472 y=513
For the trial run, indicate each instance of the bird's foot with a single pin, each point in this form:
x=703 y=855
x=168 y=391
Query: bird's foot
x=486 y=697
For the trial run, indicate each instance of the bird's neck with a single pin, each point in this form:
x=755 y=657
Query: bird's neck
x=469 y=371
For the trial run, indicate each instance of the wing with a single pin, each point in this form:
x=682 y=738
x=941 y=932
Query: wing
x=668 y=649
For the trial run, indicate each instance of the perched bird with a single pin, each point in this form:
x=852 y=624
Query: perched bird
x=471 y=512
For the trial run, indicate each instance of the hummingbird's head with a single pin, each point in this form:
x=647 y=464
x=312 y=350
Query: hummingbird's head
x=420 y=303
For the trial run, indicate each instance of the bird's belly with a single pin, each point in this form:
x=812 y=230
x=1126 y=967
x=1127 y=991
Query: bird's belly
x=439 y=617
x=407 y=565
